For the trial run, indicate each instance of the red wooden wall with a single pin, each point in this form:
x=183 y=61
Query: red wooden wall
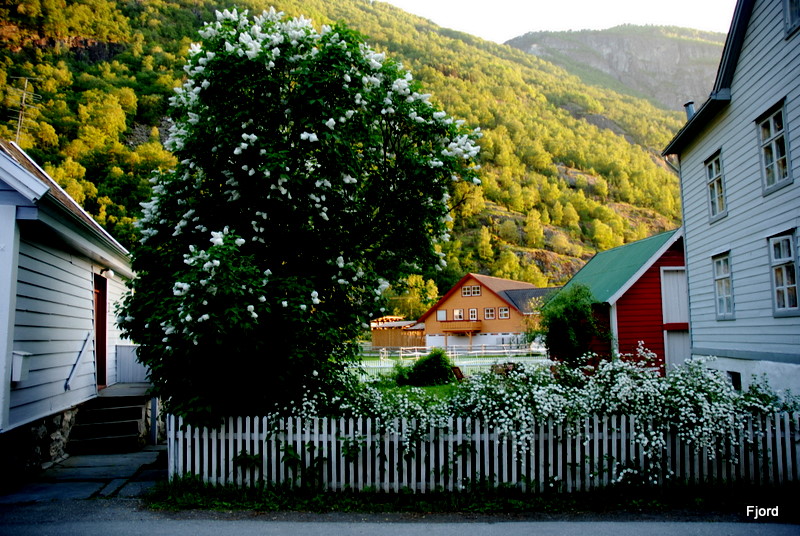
x=639 y=316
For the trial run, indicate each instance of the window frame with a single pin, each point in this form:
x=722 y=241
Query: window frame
x=458 y=314
x=473 y=315
x=791 y=24
x=466 y=291
x=489 y=313
x=476 y=290
x=729 y=313
x=441 y=315
x=771 y=143
x=715 y=187
x=503 y=313
x=789 y=269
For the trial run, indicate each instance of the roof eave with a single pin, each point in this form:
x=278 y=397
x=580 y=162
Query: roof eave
x=713 y=106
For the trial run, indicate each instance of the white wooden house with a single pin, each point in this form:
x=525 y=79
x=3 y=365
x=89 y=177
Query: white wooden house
x=60 y=275
x=740 y=181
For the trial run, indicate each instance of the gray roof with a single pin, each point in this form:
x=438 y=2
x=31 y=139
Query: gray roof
x=522 y=298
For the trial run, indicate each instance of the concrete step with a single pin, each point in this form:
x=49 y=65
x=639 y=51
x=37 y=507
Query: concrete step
x=111 y=414
x=109 y=424
x=106 y=445
x=93 y=430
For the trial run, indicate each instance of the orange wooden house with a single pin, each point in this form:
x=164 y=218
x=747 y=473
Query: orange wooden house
x=481 y=311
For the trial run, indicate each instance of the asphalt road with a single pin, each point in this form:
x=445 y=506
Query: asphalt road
x=126 y=517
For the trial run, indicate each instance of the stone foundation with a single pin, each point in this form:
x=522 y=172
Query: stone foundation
x=24 y=451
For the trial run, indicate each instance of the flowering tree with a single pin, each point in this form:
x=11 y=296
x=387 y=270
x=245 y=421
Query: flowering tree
x=313 y=173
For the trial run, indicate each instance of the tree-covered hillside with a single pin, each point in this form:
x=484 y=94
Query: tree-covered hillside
x=568 y=169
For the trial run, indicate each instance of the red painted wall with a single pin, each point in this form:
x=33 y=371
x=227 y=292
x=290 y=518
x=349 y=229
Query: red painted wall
x=639 y=316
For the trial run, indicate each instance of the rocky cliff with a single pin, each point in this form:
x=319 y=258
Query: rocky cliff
x=665 y=65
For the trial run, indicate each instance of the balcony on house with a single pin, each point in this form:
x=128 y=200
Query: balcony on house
x=461 y=326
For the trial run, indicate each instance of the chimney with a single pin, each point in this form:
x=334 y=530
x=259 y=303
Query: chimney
x=689 y=107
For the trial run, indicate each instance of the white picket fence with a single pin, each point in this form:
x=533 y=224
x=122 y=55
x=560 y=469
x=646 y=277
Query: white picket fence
x=360 y=454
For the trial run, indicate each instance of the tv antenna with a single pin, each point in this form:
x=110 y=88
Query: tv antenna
x=26 y=98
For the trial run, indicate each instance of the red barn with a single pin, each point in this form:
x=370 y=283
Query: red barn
x=644 y=287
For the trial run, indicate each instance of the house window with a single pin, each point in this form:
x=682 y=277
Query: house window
x=723 y=289
x=441 y=315
x=503 y=313
x=466 y=290
x=476 y=290
x=473 y=315
x=791 y=12
x=458 y=314
x=716 y=187
x=783 y=263
x=488 y=313
x=774 y=159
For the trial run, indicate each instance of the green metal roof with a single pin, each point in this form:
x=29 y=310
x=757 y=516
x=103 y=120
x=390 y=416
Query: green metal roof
x=609 y=271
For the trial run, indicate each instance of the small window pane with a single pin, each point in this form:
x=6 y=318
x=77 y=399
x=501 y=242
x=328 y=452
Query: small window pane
x=765 y=131
x=778 y=121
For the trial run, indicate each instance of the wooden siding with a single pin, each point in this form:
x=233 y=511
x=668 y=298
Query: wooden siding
x=397 y=338
x=768 y=71
x=55 y=310
x=639 y=310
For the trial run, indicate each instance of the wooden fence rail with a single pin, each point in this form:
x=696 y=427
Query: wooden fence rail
x=364 y=454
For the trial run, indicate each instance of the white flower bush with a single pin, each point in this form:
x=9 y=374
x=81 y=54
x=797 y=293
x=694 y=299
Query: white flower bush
x=324 y=172
x=694 y=401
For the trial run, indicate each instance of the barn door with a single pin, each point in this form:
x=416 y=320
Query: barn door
x=675 y=311
x=100 y=328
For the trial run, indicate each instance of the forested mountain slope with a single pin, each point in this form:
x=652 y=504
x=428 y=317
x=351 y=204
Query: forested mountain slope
x=666 y=65
x=568 y=168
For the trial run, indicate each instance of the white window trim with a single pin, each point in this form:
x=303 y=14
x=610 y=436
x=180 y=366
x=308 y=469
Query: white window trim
x=441 y=315
x=503 y=313
x=476 y=290
x=716 y=183
x=791 y=25
x=473 y=315
x=458 y=314
x=790 y=263
x=488 y=313
x=466 y=291
x=724 y=315
x=762 y=144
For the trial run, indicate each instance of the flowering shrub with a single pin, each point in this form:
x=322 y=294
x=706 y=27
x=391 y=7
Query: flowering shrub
x=695 y=401
x=313 y=172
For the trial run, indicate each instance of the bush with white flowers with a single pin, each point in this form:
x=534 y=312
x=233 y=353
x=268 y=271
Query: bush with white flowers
x=314 y=172
x=695 y=401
